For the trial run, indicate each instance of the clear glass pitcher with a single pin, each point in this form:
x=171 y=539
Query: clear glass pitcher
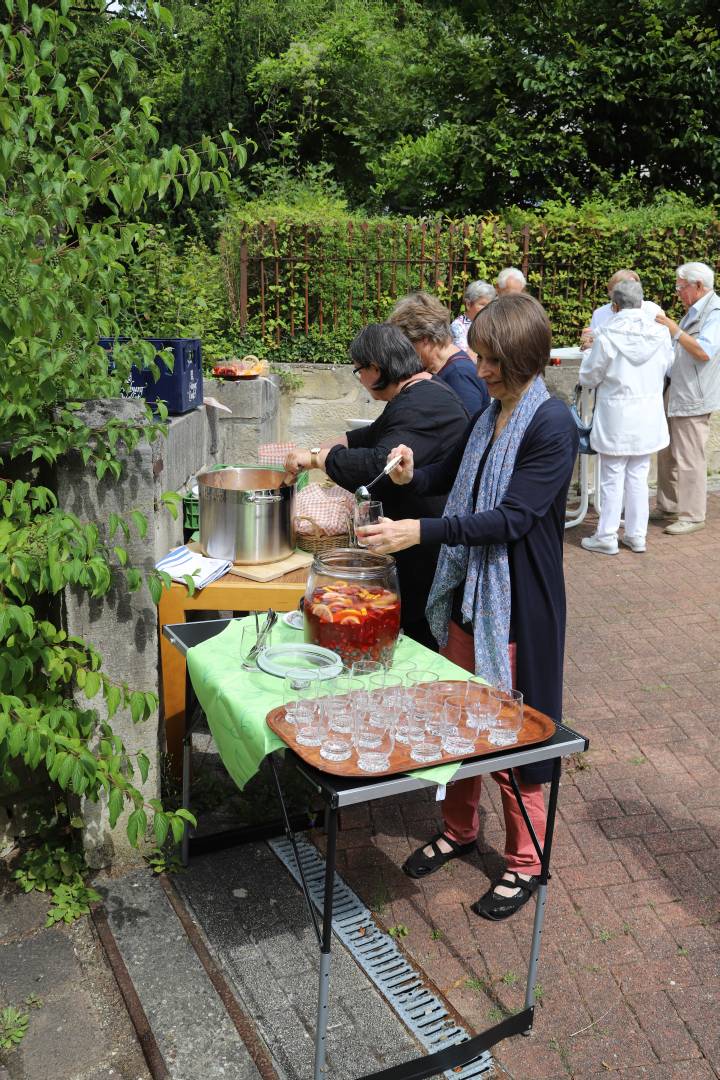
x=352 y=604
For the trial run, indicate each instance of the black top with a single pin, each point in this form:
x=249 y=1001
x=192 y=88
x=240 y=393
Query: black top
x=530 y=519
x=431 y=419
x=460 y=373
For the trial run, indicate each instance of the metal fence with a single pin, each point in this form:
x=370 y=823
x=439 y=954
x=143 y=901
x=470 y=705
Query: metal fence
x=333 y=278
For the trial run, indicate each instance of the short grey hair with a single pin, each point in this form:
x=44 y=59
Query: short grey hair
x=510 y=272
x=696 y=271
x=479 y=290
x=627 y=294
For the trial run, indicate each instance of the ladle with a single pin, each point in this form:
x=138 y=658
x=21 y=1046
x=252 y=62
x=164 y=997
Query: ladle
x=362 y=494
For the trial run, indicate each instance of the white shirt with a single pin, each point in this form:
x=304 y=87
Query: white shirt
x=709 y=339
x=459 y=331
x=601 y=316
x=630 y=357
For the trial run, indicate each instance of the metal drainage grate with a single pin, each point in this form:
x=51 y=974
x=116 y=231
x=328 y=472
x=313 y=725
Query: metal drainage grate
x=379 y=957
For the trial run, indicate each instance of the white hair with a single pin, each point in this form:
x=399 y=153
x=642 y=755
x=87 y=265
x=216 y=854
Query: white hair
x=510 y=272
x=478 y=290
x=627 y=294
x=696 y=271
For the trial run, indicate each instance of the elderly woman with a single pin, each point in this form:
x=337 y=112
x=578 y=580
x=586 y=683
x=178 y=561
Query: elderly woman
x=477 y=295
x=421 y=412
x=426 y=322
x=497 y=604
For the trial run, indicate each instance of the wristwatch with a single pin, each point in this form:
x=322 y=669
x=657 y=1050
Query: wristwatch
x=314 y=451
x=678 y=334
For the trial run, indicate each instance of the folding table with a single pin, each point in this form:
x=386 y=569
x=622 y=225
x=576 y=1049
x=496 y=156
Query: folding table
x=338 y=792
x=228 y=593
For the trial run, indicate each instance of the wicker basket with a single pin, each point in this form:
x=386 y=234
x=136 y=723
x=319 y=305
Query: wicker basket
x=317 y=541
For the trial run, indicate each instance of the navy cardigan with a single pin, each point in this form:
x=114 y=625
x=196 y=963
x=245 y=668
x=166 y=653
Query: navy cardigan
x=530 y=519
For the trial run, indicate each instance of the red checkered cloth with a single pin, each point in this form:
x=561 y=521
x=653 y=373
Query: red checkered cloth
x=275 y=453
x=322 y=510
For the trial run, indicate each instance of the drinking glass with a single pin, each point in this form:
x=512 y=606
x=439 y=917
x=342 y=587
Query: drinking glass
x=422 y=695
x=299 y=697
x=388 y=701
x=366 y=513
x=248 y=641
x=426 y=741
x=510 y=719
x=404 y=668
x=361 y=668
x=310 y=724
x=483 y=706
x=338 y=720
x=421 y=683
x=458 y=736
x=374 y=744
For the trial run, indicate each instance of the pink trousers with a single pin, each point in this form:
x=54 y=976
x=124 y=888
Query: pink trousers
x=460 y=808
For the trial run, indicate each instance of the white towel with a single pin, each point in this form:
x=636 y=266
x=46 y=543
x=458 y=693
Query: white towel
x=182 y=562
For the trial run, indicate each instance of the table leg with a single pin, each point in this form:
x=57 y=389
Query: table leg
x=187 y=753
x=324 y=983
x=171 y=609
x=541 y=896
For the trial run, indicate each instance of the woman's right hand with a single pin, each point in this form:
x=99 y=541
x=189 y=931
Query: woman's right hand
x=403 y=471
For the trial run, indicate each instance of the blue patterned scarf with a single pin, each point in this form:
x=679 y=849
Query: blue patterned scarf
x=484 y=569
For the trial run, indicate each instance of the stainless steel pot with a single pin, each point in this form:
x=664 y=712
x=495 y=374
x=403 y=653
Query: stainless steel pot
x=246 y=515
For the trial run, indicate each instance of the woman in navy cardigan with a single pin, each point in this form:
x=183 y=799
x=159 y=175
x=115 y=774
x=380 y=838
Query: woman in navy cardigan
x=497 y=605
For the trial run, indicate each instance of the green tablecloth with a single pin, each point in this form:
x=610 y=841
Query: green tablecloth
x=236 y=702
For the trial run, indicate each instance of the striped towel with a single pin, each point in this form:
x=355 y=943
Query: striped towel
x=182 y=562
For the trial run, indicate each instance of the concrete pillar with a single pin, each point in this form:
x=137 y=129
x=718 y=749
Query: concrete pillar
x=121 y=625
x=234 y=438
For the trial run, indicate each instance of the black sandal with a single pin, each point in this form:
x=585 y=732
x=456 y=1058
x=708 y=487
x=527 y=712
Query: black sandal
x=494 y=907
x=419 y=864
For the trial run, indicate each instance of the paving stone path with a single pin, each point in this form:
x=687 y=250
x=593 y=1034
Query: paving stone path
x=629 y=977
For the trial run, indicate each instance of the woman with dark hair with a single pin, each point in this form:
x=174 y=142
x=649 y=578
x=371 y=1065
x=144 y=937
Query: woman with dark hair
x=497 y=603
x=421 y=413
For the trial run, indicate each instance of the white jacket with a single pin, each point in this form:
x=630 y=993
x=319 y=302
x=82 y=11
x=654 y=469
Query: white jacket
x=628 y=363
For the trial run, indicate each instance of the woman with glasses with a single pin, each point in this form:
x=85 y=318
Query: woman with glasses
x=420 y=412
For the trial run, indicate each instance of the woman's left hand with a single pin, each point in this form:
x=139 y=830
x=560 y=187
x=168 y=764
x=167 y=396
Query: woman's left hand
x=387 y=536
x=295 y=462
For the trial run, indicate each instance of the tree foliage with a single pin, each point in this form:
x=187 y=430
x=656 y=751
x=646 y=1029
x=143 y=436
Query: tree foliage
x=78 y=169
x=461 y=107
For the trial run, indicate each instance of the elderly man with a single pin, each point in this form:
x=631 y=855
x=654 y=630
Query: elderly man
x=627 y=366
x=602 y=315
x=510 y=280
x=693 y=396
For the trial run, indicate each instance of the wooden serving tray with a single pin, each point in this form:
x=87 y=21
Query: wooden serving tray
x=537 y=728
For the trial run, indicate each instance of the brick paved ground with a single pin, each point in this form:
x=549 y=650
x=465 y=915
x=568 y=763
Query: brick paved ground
x=629 y=978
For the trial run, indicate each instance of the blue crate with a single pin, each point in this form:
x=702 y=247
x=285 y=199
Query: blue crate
x=180 y=388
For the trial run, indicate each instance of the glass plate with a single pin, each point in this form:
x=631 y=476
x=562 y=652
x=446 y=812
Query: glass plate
x=294 y=619
x=301 y=660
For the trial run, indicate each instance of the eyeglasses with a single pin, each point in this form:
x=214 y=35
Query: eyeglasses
x=681 y=285
x=356 y=372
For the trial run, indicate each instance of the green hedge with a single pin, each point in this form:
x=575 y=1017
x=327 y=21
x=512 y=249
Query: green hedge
x=313 y=279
